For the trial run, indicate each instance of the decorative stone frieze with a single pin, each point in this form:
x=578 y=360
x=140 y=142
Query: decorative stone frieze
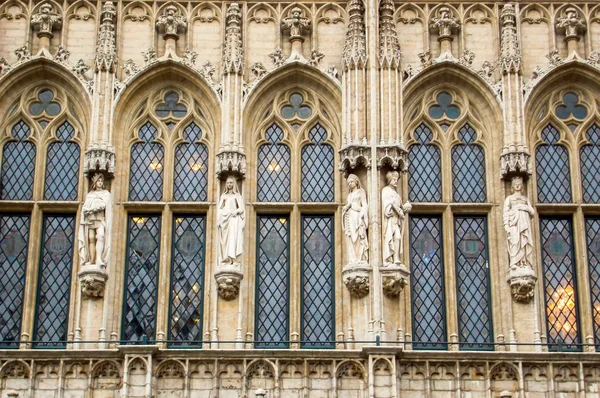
x=390 y=56
x=233 y=52
x=99 y=157
x=106 y=49
x=510 y=51
x=356 y=279
x=231 y=162
x=45 y=21
x=394 y=156
x=228 y=280
x=354 y=53
x=393 y=279
x=515 y=163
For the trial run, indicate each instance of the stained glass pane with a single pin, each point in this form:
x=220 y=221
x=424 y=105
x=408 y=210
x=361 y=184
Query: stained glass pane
x=592 y=229
x=272 y=280
x=559 y=283
x=318 y=318
x=141 y=278
x=590 y=166
x=52 y=307
x=14 y=239
x=427 y=283
x=468 y=169
x=191 y=167
x=552 y=169
x=473 y=283
x=274 y=167
x=317 y=168
x=187 y=281
x=147 y=161
x=18 y=164
x=424 y=168
x=62 y=166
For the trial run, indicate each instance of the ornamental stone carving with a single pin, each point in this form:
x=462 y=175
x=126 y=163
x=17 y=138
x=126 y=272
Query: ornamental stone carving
x=231 y=162
x=106 y=53
x=354 y=53
x=352 y=156
x=296 y=23
x=355 y=222
x=233 y=53
x=230 y=222
x=92 y=283
x=394 y=156
x=96 y=224
x=394 y=219
x=171 y=22
x=356 y=280
x=228 y=282
x=445 y=24
x=393 y=280
x=571 y=24
x=517 y=216
x=99 y=157
x=45 y=21
x=390 y=55
x=515 y=162
x=510 y=51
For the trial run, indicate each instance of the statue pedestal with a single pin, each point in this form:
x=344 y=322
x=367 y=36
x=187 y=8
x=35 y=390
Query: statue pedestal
x=522 y=283
x=356 y=278
x=92 y=278
x=393 y=279
x=228 y=277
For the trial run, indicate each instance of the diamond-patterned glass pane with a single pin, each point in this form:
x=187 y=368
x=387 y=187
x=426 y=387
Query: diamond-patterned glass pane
x=62 y=166
x=191 y=168
x=14 y=239
x=52 y=307
x=318 y=320
x=468 y=169
x=18 y=164
x=559 y=283
x=424 y=169
x=141 y=283
x=187 y=281
x=317 y=168
x=473 y=283
x=592 y=228
x=552 y=169
x=147 y=162
x=272 y=280
x=427 y=283
x=274 y=167
x=590 y=166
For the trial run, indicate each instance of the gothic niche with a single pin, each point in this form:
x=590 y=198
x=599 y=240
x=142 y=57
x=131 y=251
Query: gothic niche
x=230 y=224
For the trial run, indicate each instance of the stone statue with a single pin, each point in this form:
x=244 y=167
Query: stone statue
x=445 y=23
x=394 y=215
x=295 y=23
x=517 y=223
x=230 y=219
x=355 y=222
x=96 y=223
x=46 y=20
x=571 y=23
x=171 y=22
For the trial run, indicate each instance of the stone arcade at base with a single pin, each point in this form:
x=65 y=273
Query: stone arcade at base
x=363 y=198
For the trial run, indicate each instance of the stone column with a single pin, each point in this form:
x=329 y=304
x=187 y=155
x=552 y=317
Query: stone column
x=515 y=167
x=231 y=163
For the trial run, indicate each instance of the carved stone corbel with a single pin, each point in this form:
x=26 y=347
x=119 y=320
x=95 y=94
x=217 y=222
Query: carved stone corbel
x=356 y=278
x=228 y=280
x=93 y=280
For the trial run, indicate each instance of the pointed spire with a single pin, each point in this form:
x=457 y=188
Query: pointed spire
x=106 y=50
x=354 y=54
x=390 y=55
x=233 y=52
x=510 y=52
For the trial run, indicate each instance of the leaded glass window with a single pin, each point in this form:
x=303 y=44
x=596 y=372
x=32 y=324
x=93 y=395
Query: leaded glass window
x=424 y=168
x=274 y=167
x=187 y=281
x=54 y=282
x=141 y=278
x=317 y=167
x=147 y=161
x=18 y=164
x=590 y=166
x=427 y=283
x=592 y=229
x=62 y=166
x=559 y=283
x=473 y=283
x=468 y=168
x=552 y=169
x=317 y=323
x=191 y=167
x=14 y=240
x=272 y=282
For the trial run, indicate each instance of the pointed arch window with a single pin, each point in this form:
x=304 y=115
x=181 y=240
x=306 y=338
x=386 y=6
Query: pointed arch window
x=468 y=168
x=317 y=167
x=274 y=160
x=62 y=166
x=18 y=165
x=191 y=167
x=552 y=169
x=590 y=166
x=424 y=170
x=147 y=161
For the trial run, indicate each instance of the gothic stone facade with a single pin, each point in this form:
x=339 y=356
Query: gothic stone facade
x=309 y=199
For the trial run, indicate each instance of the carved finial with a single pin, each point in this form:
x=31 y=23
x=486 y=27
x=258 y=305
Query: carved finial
x=296 y=23
x=445 y=23
x=233 y=52
x=354 y=54
x=106 y=50
x=389 y=48
x=171 y=22
x=510 y=53
x=571 y=24
x=45 y=21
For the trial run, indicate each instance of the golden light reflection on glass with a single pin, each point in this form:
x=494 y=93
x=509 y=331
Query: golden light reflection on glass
x=283 y=221
x=561 y=309
x=197 y=167
x=179 y=220
x=273 y=166
x=139 y=220
x=155 y=165
x=195 y=287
